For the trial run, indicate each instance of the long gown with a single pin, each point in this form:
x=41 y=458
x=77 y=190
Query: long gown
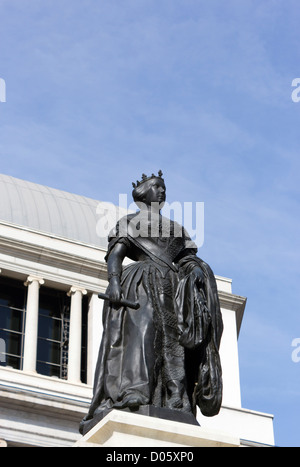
x=164 y=354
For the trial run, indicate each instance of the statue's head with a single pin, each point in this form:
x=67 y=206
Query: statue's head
x=150 y=190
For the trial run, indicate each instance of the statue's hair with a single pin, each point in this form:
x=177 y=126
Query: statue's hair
x=139 y=192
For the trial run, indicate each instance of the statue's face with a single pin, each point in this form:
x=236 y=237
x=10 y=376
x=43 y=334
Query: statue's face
x=156 y=192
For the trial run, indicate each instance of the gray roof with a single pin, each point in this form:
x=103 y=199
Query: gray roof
x=51 y=211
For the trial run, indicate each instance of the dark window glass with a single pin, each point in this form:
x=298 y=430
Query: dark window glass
x=11 y=319
x=13 y=342
x=12 y=361
x=51 y=302
x=48 y=351
x=50 y=328
x=47 y=369
x=12 y=293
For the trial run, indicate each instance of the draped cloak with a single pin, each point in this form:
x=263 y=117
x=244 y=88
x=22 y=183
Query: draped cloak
x=166 y=353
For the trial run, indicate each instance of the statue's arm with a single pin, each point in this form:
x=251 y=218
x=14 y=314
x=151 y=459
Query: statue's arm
x=114 y=270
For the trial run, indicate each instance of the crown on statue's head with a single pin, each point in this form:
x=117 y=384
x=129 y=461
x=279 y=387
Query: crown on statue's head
x=145 y=178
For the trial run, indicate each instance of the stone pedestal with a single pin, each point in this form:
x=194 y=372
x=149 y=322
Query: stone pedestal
x=124 y=429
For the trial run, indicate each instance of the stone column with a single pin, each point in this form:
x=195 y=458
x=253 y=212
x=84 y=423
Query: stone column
x=94 y=331
x=74 y=354
x=31 y=327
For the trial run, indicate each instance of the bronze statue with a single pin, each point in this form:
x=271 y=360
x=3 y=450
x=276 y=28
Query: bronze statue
x=162 y=324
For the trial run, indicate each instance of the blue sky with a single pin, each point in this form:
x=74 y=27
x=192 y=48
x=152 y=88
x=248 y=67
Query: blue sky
x=98 y=92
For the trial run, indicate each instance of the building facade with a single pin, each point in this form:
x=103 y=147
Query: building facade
x=52 y=269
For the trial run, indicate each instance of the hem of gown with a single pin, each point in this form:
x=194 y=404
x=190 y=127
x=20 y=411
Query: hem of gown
x=148 y=410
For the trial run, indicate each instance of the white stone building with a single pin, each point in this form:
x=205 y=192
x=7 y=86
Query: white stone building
x=52 y=269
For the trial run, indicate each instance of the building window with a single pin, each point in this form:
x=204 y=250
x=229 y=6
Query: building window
x=12 y=321
x=53 y=334
x=54 y=310
x=53 y=329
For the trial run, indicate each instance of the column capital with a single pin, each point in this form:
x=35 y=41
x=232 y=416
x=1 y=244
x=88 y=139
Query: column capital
x=75 y=288
x=31 y=279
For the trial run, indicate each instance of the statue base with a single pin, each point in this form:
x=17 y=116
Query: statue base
x=150 y=411
x=120 y=428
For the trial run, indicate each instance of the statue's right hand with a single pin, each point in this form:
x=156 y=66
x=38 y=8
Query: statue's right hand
x=115 y=290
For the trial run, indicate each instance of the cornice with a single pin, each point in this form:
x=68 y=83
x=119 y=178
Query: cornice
x=52 y=257
x=234 y=303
